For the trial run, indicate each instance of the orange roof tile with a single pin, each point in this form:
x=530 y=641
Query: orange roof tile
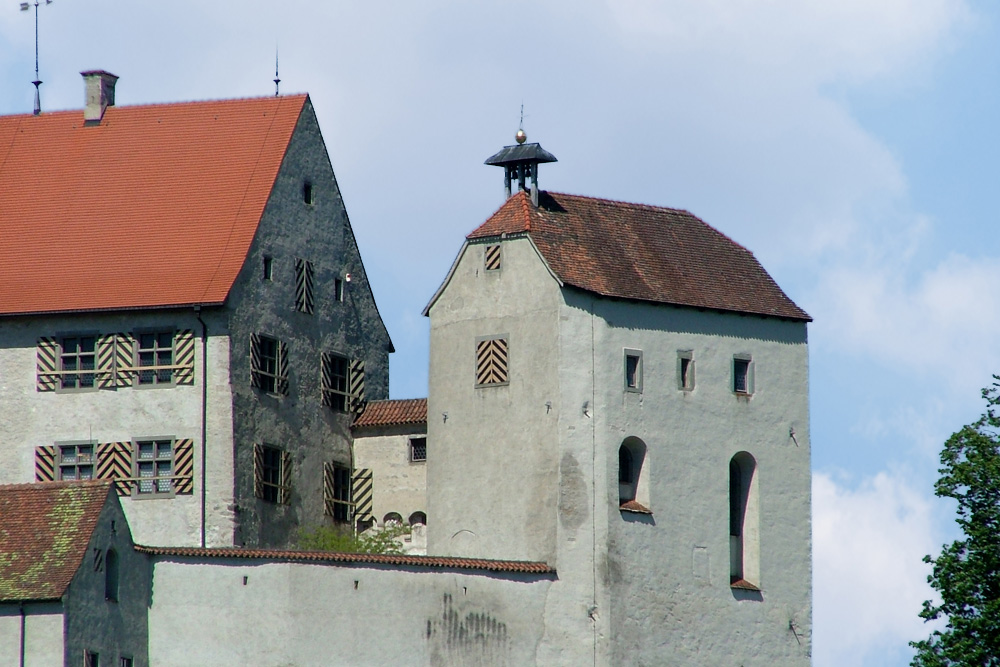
x=44 y=535
x=156 y=206
x=393 y=412
x=640 y=252
x=528 y=567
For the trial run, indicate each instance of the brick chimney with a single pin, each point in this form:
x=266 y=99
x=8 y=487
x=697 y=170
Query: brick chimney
x=99 y=88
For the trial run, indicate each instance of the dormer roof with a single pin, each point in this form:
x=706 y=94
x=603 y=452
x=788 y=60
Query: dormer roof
x=44 y=536
x=642 y=253
x=155 y=206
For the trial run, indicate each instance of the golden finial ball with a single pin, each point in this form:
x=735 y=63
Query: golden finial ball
x=520 y=137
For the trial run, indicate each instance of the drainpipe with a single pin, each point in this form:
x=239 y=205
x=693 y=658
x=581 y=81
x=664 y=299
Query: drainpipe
x=204 y=413
x=20 y=607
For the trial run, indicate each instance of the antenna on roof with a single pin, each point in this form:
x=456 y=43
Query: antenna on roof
x=36 y=82
x=276 y=79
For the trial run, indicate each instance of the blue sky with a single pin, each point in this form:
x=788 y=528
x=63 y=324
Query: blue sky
x=851 y=146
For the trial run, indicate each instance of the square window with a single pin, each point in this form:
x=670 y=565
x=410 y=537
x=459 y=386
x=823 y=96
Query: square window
x=633 y=370
x=418 y=449
x=743 y=375
x=153 y=466
x=76 y=461
x=125 y=662
x=268 y=364
x=491 y=361
x=685 y=370
x=77 y=361
x=155 y=357
x=273 y=474
x=341 y=493
x=91 y=659
x=337 y=492
x=336 y=391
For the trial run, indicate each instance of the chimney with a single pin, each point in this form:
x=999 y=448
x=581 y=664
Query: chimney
x=520 y=162
x=99 y=88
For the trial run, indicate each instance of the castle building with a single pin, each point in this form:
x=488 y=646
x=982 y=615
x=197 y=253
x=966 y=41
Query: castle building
x=621 y=391
x=612 y=463
x=184 y=311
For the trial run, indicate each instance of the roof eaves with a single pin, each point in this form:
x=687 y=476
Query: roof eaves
x=444 y=562
x=116 y=309
x=677 y=304
x=426 y=312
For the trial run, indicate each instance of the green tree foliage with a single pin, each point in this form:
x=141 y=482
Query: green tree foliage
x=342 y=539
x=967 y=573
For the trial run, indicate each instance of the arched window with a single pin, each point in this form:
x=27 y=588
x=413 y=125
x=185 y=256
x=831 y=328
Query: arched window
x=418 y=517
x=392 y=517
x=111 y=575
x=633 y=476
x=744 y=522
x=625 y=472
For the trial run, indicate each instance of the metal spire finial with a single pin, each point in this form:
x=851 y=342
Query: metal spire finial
x=37 y=82
x=276 y=79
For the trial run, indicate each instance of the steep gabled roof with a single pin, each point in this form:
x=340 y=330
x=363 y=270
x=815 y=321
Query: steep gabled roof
x=643 y=253
x=154 y=207
x=393 y=413
x=45 y=529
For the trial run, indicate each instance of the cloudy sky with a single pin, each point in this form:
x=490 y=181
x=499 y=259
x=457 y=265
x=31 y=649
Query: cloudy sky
x=851 y=145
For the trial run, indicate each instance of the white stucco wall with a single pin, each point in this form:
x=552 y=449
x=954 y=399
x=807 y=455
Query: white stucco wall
x=233 y=612
x=493 y=470
x=398 y=484
x=43 y=635
x=34 y=418
x=669 y=573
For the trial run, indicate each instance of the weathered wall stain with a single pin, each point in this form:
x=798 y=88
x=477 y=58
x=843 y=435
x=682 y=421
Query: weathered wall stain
x=572 y=493
x=461 y=637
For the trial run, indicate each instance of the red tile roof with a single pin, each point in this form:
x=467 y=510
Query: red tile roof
x=633 y=506
x=742 y=584
x=527 y=567
x=393 y=412
x=44 y=534
x=645 y=253
x=155 y=206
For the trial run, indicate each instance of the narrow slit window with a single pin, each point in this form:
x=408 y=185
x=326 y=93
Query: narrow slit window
x=268 y=267
x=685 y=370
x=743 y=380
x=338 y=289
x=307 y=192
x=633 y=370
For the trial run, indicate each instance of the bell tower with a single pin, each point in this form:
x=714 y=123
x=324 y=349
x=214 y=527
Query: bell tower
x=520 y=162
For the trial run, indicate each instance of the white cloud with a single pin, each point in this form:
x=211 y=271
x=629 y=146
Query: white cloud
x=869 y=581
x=938 y=324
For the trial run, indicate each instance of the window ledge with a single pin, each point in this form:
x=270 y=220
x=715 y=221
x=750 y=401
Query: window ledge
x=743 y=585
x=633 y=506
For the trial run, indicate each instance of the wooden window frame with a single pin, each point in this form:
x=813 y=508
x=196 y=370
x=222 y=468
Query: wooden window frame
x=158 y=479
x=76 y=464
